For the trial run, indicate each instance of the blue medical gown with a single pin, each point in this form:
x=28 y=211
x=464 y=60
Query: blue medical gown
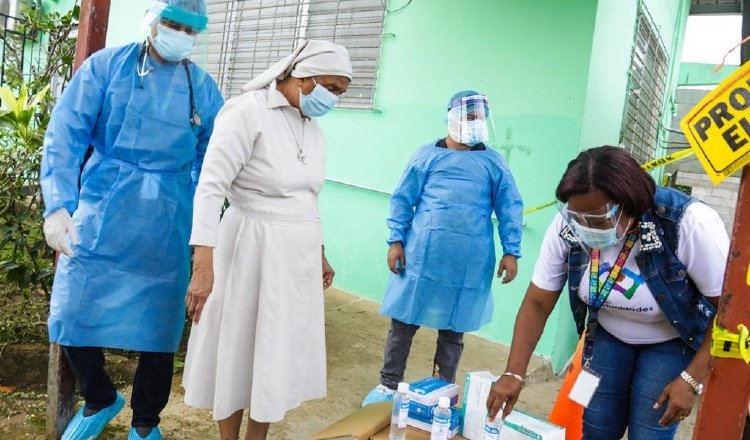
x=125 y=287
x=441 y=211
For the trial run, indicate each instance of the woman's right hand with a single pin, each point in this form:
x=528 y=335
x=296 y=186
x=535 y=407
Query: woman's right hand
x=503 y=396
x=396 y=254
x=201 y=283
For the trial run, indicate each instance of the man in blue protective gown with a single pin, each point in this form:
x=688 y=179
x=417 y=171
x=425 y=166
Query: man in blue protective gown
x=442 y=252
x=144 y=114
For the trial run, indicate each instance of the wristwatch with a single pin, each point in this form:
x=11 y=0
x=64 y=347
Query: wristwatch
x=694 y=384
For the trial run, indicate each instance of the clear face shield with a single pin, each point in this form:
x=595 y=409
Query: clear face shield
x=470 y=121
x=598 y=229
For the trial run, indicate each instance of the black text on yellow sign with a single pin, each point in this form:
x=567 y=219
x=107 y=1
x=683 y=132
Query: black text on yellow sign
x=718 y=128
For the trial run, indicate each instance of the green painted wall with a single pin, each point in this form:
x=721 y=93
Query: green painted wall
x=698 y=74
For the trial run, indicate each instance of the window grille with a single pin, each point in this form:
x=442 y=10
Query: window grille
x=245 y=37
x=646 y=86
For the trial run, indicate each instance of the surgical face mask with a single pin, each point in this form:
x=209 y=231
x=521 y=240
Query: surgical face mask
x=319 y=102
x=469 y=132
x=172 y=45
x=596 y=238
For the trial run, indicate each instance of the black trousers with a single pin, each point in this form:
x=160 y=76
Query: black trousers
x=450 y=346
x=151 y=385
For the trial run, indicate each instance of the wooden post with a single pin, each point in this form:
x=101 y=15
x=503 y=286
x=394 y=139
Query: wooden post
x=92 y=35
x=724 y=406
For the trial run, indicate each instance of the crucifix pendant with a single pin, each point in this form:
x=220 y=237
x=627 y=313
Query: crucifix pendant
x=301 y=158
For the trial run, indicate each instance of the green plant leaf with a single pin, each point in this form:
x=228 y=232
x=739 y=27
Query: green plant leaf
x=8 y=98
x=36 y=99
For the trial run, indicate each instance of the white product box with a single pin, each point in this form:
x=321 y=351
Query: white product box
x=522 y=426
x=474 y=407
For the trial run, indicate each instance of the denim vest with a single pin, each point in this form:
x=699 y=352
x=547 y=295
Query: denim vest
x=688 y=311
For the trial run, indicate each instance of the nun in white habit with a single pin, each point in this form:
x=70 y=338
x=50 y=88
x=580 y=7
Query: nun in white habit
x=256 y=293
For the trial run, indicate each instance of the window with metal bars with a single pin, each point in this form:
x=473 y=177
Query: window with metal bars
x=245 y=37
x=646 y=86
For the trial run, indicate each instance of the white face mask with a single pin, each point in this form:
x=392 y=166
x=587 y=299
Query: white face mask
x=171 y=44
x=469 y=132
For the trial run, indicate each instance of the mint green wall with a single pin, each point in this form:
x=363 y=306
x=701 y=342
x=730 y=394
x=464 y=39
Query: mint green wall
x=697 y=74
x=610 y=61
x=125 y=18
x=531 y=59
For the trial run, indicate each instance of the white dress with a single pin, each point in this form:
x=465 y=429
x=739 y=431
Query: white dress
x=260 y=342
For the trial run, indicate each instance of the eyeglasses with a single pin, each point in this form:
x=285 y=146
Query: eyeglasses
x=601 y=218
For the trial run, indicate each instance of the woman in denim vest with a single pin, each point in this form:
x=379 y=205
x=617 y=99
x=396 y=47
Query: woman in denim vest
x=658 y=256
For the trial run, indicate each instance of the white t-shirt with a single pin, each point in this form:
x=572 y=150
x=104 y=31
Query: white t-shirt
x=631 y=313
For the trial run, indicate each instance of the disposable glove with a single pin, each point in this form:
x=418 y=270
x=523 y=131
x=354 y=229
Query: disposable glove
x=58 y=226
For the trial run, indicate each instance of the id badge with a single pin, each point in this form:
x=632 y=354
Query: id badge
x=585 y=387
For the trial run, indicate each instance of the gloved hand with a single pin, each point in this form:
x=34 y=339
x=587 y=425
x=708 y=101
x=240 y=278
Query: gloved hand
x=57 y=227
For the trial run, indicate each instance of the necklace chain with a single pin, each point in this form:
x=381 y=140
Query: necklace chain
x=300 y=142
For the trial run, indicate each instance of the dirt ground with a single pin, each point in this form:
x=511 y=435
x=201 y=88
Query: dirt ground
x=355 y=336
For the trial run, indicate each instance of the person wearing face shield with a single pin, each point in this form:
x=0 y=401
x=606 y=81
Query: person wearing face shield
x=256 y=294
x=121 y=159
x=644 y=267
x=442 y=251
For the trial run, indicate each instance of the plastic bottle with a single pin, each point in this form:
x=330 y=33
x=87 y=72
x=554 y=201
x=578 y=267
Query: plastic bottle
x=400 y=412
x=492 y=428
x=441 y=420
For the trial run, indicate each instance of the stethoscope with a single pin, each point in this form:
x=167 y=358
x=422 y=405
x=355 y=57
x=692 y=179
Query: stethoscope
x=140 y=67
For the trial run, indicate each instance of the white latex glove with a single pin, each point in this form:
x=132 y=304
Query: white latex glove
x=57 y=227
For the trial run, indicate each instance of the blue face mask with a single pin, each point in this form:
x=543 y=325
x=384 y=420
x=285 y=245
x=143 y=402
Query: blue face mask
x=172 y=45
x=596 y=238
x=319 y=102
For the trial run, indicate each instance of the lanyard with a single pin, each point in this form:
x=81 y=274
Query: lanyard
x=597 y=296
x=195 y=119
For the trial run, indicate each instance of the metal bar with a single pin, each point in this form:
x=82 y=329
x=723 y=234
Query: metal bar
x=724 y=407
x=92 y=34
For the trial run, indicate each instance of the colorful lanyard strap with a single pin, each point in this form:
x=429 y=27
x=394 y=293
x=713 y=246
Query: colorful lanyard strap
x=597 y=296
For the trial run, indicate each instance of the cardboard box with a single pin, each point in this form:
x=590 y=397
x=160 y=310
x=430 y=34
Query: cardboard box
x=474 y=407
x=362 y=424
x=369 y=423
x=425 y=394
x=522 y=426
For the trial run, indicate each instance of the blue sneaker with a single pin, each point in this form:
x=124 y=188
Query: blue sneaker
x=87 y=428
x=155 y=434
x=380 y=393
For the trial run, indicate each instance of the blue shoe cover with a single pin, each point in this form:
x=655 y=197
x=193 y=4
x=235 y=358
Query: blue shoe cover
x=155 y=434
x=87 y=428
x=380 y=393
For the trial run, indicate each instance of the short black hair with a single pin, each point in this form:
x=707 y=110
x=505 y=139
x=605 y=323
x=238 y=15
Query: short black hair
x=613 y=171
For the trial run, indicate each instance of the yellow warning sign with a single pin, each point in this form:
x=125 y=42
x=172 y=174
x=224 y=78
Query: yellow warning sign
x=718 y=128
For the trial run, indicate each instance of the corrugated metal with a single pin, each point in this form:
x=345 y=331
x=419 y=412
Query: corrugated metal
x=245 y=37
x=646 y=87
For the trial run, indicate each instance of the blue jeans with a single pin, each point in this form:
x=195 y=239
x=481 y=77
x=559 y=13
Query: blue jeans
x=633 y=377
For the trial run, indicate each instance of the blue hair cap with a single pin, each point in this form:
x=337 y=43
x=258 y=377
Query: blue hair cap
x=191 y=13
